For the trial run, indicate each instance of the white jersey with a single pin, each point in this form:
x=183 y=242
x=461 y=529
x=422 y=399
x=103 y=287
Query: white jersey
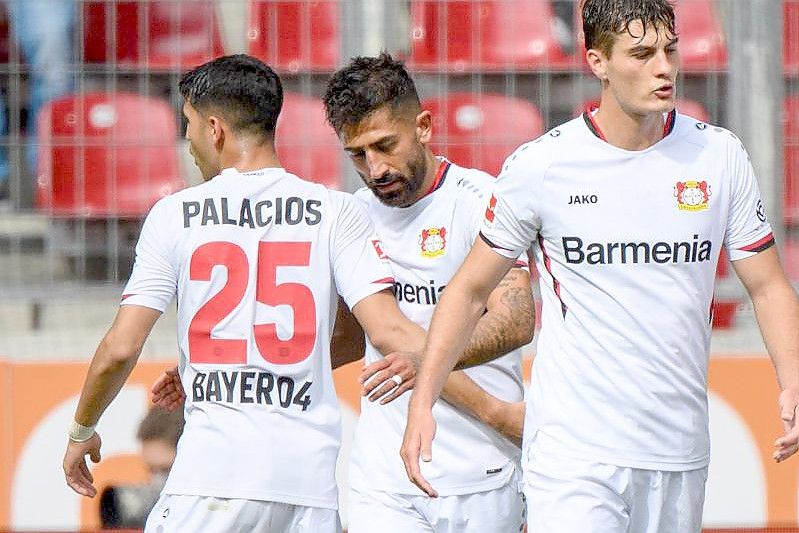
x=257 y=260
x=425 y=244
x=627 y=244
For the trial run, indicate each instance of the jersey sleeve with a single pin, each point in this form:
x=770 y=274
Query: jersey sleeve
x=748 y=230
x=511 y=222
x=153 y=281
x=360 y=268
x=477 y=216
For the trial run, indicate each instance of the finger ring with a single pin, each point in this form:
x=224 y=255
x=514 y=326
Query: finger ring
x=396 y=379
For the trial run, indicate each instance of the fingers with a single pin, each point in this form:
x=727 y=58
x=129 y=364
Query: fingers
x=399 y=391
x=380 y=378
x=787 y=445
x=372 y=369
x=410 y=457
x=78 y=476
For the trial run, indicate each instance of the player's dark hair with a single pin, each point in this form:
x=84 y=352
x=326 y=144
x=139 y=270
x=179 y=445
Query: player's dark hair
x=603 y=20
x=160 y=424
x=365 y=85
x=239 y=88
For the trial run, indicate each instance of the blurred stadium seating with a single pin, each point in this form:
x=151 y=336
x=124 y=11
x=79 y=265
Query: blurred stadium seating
x=475 y=130
x=159 y=34
x=306 y=145
x=489 y=35
x=295 y=36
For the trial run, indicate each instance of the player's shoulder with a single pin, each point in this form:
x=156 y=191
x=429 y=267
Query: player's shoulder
x=704 y=134
x=540 y=153
x=470 y=183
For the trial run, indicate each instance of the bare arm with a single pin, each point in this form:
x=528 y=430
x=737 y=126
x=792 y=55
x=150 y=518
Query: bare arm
x=112 y=363
x=507 y=324
x=505 y=417
x=777 y=311
x=455 y=317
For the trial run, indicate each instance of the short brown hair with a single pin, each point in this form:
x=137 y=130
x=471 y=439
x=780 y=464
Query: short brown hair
x=160 y=424
x=603 y=20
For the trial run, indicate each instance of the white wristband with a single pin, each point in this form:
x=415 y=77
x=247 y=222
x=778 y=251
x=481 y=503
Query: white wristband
x=80 y=433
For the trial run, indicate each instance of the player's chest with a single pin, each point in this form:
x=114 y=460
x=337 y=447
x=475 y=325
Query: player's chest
x=431 y=246
x=635 y=198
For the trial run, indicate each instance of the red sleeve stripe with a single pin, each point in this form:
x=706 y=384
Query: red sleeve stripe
x=520 y=264
x=763 y=244
x=384 y=280
x=126 y=296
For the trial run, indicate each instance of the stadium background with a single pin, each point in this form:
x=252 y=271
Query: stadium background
x=495 y=73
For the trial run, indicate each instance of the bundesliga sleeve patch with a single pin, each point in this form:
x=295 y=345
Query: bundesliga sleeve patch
x=378 y=246
x=489 y=214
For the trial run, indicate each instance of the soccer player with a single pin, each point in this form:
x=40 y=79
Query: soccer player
x=627 y=208
x=257 y=258
x=427 y=212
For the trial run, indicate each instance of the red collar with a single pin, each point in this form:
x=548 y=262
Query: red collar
x=588 y=116
x=441 y=173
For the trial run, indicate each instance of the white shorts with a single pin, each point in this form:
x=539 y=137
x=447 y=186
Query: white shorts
x=575 y=496
x=177 y=513
x=494 y=511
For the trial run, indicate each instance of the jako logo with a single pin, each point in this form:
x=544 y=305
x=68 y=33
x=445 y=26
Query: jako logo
x=576 y=199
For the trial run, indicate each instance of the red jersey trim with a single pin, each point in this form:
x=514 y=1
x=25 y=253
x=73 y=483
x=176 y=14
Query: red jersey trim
x=441 y=174
x=555 y=282
x=763 y=244
x=588 y=117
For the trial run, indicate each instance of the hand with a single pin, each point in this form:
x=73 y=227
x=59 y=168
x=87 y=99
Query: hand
x=418 y=439
x=168 y=390
x=377 y=378
x=788 y=444
x=77 y=473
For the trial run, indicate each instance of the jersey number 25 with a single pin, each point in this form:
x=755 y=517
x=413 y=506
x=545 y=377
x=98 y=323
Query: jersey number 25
x=271 y=255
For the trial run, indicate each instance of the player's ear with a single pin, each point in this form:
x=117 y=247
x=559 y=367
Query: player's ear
x=598 y=63
x=424 y=126
x=215 y=129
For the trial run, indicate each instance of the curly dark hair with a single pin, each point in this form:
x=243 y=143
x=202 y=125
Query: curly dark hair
x=240 y=88
x=363 y=86
x=603 y=20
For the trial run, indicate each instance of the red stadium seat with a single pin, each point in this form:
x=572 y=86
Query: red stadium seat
x=106 y=155
x=701 y=38
x=471 y=35
x=306 y=145
x=151 y=34
x=791 y=154
x=476 y=130
x=295 y=36
x=790 y=42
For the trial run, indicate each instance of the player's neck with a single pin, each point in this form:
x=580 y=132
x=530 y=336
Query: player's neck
x=430 y=177
x=248 y=156
x=625 y=130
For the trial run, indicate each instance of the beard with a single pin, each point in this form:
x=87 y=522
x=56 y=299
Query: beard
x=406 y=186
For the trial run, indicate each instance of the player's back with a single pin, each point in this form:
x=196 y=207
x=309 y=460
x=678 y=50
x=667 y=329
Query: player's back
x=258 y=259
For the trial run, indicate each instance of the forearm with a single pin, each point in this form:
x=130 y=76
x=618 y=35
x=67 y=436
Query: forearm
x=107 y=374
x=455 y=317
x=777 y=312
x=509 y=322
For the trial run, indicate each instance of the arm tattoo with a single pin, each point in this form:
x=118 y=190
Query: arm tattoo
x=503 y=329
